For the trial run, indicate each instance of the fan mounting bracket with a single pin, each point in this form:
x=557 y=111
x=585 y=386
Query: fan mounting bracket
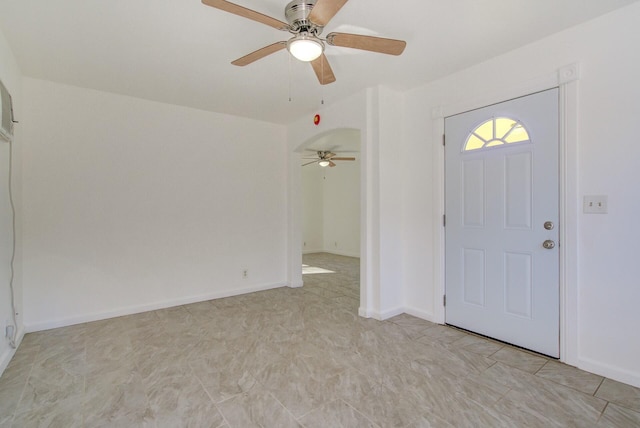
x=297 y=14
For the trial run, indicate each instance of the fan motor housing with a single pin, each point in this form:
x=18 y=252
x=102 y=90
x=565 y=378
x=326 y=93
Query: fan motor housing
x=297 y=13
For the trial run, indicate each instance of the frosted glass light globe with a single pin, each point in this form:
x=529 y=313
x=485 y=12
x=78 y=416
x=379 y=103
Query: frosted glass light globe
x=305 y=48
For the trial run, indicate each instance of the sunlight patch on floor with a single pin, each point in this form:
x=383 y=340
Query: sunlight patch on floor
x=307 y=270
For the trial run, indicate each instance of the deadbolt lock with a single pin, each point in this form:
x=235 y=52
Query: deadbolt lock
x=548 y=225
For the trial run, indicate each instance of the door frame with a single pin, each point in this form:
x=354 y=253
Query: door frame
x=566 y=79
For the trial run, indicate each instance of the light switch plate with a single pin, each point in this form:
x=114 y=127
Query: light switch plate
x=595 y=204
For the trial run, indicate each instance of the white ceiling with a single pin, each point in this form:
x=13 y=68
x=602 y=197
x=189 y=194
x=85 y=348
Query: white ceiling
x=343 y=141
x=179 y=51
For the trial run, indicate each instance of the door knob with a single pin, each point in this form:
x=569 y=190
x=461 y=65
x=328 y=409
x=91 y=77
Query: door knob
x=549 y=244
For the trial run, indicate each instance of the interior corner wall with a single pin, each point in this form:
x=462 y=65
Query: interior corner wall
x=331 y=208
x=391 y=136
x=341 y=207
x=312 y=210
x=11 y=77
x=132 y=205
x=608 y=159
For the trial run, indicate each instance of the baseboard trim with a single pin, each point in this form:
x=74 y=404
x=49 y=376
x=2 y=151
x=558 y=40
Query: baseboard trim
x=419 y=313
x=611 y=372
x=380 y=316
x=337 y=253
x=364 y=313
x=136 y=309
x=390 y=313
x=313 y=251
x=6 y=356
x=341 y=253
x=296 y=284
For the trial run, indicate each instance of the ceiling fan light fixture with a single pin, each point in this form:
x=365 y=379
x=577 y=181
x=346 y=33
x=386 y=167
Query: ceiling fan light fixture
x=304 y=47
x=324 y=163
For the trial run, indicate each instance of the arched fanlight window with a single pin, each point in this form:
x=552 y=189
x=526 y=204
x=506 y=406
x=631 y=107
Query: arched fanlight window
x=497 y=131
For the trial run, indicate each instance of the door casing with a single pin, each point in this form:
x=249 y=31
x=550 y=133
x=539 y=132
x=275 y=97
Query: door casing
x=566 y=79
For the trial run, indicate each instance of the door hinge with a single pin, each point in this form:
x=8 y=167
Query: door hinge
x=444 y=220
x=443 y=139
x=444 y=300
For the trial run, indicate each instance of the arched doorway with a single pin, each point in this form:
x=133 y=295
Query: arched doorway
x=330 y=214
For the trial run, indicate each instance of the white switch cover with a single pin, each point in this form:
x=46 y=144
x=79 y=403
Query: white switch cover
x=595 y=204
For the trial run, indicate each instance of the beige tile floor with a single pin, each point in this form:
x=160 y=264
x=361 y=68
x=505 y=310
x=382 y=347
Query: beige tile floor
x=295 y=357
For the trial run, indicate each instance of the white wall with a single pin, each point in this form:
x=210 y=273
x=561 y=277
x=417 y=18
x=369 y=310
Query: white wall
x=608 y=156
x=312 y=210
x=341 y=187
x=11 y=77
x=132 y=205
x=331 y=208
x=390 y=123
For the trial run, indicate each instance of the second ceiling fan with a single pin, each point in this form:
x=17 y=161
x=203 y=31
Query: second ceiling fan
x=306 y=20
x=327 y=158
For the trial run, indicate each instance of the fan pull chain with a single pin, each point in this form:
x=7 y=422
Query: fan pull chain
x=322 y=83
x=290 y=74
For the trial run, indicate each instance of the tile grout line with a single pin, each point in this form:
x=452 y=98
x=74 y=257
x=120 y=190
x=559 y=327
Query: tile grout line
x=593 y=394
x=541 y=367
x=24 y=387
x=603 y=411
x=598 y=388
x=84 y=384
x=359 y=412
x=283 y=406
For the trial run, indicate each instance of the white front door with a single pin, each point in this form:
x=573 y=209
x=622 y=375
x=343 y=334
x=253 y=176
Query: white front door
x=501 y=233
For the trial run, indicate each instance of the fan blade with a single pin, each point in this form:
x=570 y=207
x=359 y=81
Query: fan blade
x=309 y=163
x=367 y=43
x=247 y=13
x=259 y=54
x=329 y=155
x=323 y=70
x=324 y=10
x=344 y=159
x=331 y=164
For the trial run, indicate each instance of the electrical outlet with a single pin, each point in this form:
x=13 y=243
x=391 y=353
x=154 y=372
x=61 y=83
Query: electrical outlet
x=595 y=204
x=245 y=274
x=9 y=331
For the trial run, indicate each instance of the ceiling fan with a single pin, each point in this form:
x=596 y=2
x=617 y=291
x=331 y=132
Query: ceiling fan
x=306 y=20
x=326 y=158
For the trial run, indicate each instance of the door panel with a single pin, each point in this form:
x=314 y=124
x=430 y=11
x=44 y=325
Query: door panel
x=518 y=187
x=473 y=193
x=474 y=285
x=518 y=284
x=501 y=187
